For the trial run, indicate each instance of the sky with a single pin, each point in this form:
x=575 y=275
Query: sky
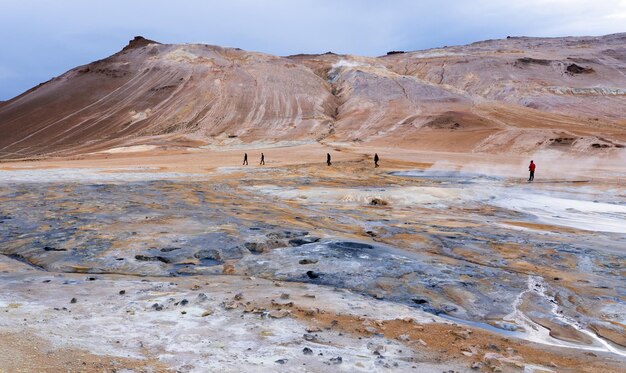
x=43 y=39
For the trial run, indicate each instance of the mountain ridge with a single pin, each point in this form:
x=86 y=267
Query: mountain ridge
x=517 y=94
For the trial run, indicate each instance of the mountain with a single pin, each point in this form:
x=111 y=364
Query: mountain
x=517 y=95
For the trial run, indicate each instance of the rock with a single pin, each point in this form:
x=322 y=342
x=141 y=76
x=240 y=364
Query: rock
x=309 y=337
x=228 y=269
x=73 y=300
x=238 y=296
x=281 y=304
x=146 y=258
x=210 y=254
x=307 y=351
x=336 y=360
x=195 y=287
x=311 y=312
x=312 y=275
x=184 y=302
x=122 y=292
x=207 y=312
x=476 y=365
x=421 y=341
x=313 y=329
x=284 y=296
x=462 y=333
x=575 y=69
x=371 y=329
x=302 y=241
x=157 y=307
x=250 y=308
x=404 y=338
x=279 y=314
x=378 y=202
x=307 y=261
x=309 y=296
x=231 y=305
x=281 y=361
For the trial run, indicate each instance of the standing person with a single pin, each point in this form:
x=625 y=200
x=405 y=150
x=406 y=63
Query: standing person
x=245 y=159
x=262 y=159
x=376 y=159
x=531 y=168
x=328 y=159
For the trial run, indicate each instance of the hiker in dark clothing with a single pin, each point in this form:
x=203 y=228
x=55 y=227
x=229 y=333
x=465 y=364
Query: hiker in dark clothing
x=531 y=168
x=328 y=159
x=245 y=159
x=376 y=159
x=262 y=159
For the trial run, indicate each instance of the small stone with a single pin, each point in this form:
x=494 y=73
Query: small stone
x=184 y=302
x=311 y=312
x=312 y=275
x=309 y=337
x=157 y=307
x=309 y=296
x=284 y=296
x=336 y=360
x=238 y=296
x=73 y=300
x=228 y=269
x=371 y=329
x=231 y=305
x=476 y=365
x=421 y=341
x=207 y=313
x=404 y=338
x=461 y=333
x=279 y=314
x=313 y=329
x=195 y=287
x=307 y=351
x=307 y=261
x=183 y=312
x=201 y=298
x=122 y=292
x=281 y=361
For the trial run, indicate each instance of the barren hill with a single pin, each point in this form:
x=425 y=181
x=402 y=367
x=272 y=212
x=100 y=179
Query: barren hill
x=513 y=95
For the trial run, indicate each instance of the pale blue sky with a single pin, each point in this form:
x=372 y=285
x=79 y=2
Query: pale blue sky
x=42 y=39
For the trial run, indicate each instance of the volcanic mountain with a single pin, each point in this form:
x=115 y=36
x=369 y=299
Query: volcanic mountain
x=518 y=95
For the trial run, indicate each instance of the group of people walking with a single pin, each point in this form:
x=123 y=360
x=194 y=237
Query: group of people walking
x=245 y=159
x=328 y=159
x=531 y=167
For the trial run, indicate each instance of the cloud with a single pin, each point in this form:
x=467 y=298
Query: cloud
x=44 y=38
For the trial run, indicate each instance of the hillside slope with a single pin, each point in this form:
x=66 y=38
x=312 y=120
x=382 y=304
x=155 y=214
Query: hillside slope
x=512 y=95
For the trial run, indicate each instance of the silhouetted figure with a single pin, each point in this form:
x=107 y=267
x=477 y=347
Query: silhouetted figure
x=531 y=168
x=262 y=159
x=376 y=159
x=328 y=159
x=245 y=159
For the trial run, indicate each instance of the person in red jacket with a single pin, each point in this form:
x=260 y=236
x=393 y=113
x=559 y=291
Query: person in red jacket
x=531 y=168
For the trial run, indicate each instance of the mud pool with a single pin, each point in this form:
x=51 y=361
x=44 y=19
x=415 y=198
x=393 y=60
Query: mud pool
x=542 y=262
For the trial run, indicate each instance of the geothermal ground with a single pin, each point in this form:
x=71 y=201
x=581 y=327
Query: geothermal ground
x=148 y=259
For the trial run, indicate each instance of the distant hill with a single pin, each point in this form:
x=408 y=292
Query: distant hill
x=513 y=95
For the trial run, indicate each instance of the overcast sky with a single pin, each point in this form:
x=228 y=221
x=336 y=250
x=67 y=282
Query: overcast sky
x=42 y=39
